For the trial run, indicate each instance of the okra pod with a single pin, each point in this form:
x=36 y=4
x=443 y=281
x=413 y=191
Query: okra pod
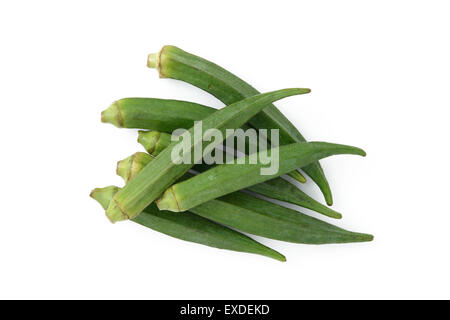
x=172 y=62
x=162 y=115
x=163 y=172
x=155 y=114
x=155 y=142
x=190 y=227
x=229 y=177
x=256 y=216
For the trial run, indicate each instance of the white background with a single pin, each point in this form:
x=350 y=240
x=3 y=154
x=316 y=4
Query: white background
x=379 y=73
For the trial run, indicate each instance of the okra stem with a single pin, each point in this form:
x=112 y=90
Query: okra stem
x=172 y=62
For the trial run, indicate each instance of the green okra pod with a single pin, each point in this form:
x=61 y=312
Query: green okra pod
x=190 y=227
x=162 y=115
x=155 y=142
x=256 y=216
x=172 y=62
x=230 y=177
x=155 y=114
x=163 y=172
x=266 y=219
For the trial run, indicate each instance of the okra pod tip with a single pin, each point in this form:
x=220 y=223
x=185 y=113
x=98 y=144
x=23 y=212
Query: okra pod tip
x=297 y=176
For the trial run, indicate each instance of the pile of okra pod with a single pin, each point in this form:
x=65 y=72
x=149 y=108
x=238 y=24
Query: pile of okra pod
x=210 y=204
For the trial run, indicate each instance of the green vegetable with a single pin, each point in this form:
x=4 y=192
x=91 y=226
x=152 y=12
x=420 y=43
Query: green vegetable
x=266 y=219
x=155 y=114
x=162 y=115
x=155 y=142
x=163 y=172
x=229 y=177
x=172 y=62
x=256 y=216
x=190 y=227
